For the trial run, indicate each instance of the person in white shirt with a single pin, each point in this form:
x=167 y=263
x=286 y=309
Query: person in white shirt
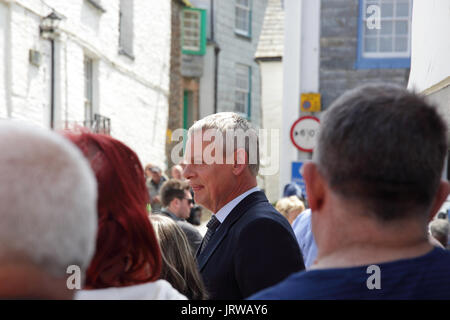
x=127 y=261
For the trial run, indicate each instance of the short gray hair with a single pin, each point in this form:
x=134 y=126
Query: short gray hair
x=48 y=197
x=439 y=228
x=385 y=147
x=230 y=121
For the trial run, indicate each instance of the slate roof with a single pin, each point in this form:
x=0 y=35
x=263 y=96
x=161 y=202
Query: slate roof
x=271 y=40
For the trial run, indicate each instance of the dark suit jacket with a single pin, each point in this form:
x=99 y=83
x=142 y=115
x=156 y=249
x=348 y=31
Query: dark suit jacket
x=193 y=235
x=252 y=249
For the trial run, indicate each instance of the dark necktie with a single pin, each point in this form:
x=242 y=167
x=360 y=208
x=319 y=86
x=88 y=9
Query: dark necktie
x=212 y=226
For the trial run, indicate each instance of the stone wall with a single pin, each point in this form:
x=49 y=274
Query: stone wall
x=338 y=52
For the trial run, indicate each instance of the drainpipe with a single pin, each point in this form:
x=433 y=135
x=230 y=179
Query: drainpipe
x=49 y=30
x=52 y=88
x=216 y=56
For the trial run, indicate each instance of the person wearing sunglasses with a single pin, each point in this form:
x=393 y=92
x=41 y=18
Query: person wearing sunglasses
x=177 y=203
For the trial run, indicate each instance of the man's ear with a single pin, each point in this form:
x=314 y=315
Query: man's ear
x=175 y=203
x=441 y=195
x=240 y=161
x=315 y=185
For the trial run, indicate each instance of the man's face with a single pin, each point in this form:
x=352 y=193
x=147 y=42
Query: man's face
x=212 y=183
x=156 y=176
x=185 y=205
x=176 y=173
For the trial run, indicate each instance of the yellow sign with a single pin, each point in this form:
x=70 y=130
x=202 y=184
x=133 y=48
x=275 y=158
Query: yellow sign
x=310 y=102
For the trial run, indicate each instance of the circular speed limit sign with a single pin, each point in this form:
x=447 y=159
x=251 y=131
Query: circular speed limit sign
x=304 y=133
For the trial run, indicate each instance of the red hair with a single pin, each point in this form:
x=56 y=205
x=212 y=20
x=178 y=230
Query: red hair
x=127 y=251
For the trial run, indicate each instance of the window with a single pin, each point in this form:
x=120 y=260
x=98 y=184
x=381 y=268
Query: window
x=384 y=34
x=243 y=15
x=206 y=5
x=242 y=98
x=88 y=89
x=126 y=28
x=193 y=31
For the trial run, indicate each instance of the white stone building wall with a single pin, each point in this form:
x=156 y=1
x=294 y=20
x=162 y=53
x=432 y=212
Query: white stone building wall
x=133 y=93
x=272 y=101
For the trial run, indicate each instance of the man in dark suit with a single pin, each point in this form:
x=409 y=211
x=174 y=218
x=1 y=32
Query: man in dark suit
x=248 y=245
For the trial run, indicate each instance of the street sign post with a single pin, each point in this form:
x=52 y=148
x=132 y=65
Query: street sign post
x=310 y=102
x=296 y=175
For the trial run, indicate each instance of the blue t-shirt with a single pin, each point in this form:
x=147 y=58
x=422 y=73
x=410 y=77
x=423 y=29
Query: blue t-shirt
x=303 y=233
x=424 y=277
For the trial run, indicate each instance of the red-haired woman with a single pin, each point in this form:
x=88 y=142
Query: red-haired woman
x=127 y=260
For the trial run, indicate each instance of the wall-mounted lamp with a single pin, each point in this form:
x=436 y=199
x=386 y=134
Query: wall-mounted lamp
x=49 y=27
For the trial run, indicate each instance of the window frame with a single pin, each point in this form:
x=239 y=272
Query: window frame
x=88 y=64
x=248 y=92
x=202 y=32
x=380 y=60
x=241 y=32
x=126 y=47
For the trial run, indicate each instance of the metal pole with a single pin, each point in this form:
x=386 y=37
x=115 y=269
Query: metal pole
x=52 y=89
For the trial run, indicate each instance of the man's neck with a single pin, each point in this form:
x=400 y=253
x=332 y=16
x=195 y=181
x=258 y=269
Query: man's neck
x=28 y=282
x=367 y=254
x=359 y=240
x=172 y=211
x=238 y=189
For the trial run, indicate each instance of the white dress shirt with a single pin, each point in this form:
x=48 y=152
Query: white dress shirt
x=223 y=213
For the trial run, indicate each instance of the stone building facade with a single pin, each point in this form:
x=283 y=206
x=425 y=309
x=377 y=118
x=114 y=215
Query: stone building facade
x=330 y=47
x=203 y=84
x=237 y=49
x=111 y=58
x=338 y=53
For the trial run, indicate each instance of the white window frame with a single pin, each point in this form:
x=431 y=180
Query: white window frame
x=192 y=33
x=378 y=36
x=242 y=87
x=244 y=9
x=126 y=28
x=88 y=88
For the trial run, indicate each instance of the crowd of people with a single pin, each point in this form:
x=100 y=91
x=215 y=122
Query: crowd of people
x=373 y=191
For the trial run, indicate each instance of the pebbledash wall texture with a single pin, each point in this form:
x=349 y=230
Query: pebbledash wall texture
x=130 y=88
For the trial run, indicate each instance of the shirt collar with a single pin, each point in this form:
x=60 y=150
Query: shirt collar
x=170 y=213
x=226 y=209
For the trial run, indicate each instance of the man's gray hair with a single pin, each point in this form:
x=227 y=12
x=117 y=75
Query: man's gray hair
x=48 y=197
x=385 y=147
x=439 y=228
x=245 y=136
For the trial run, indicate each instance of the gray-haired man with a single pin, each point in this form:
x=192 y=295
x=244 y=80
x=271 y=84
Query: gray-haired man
x=374 y=184
x=248 y=245
x=48 y=220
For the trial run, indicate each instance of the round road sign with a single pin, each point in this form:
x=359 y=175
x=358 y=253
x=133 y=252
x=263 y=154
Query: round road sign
x=304 y=133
